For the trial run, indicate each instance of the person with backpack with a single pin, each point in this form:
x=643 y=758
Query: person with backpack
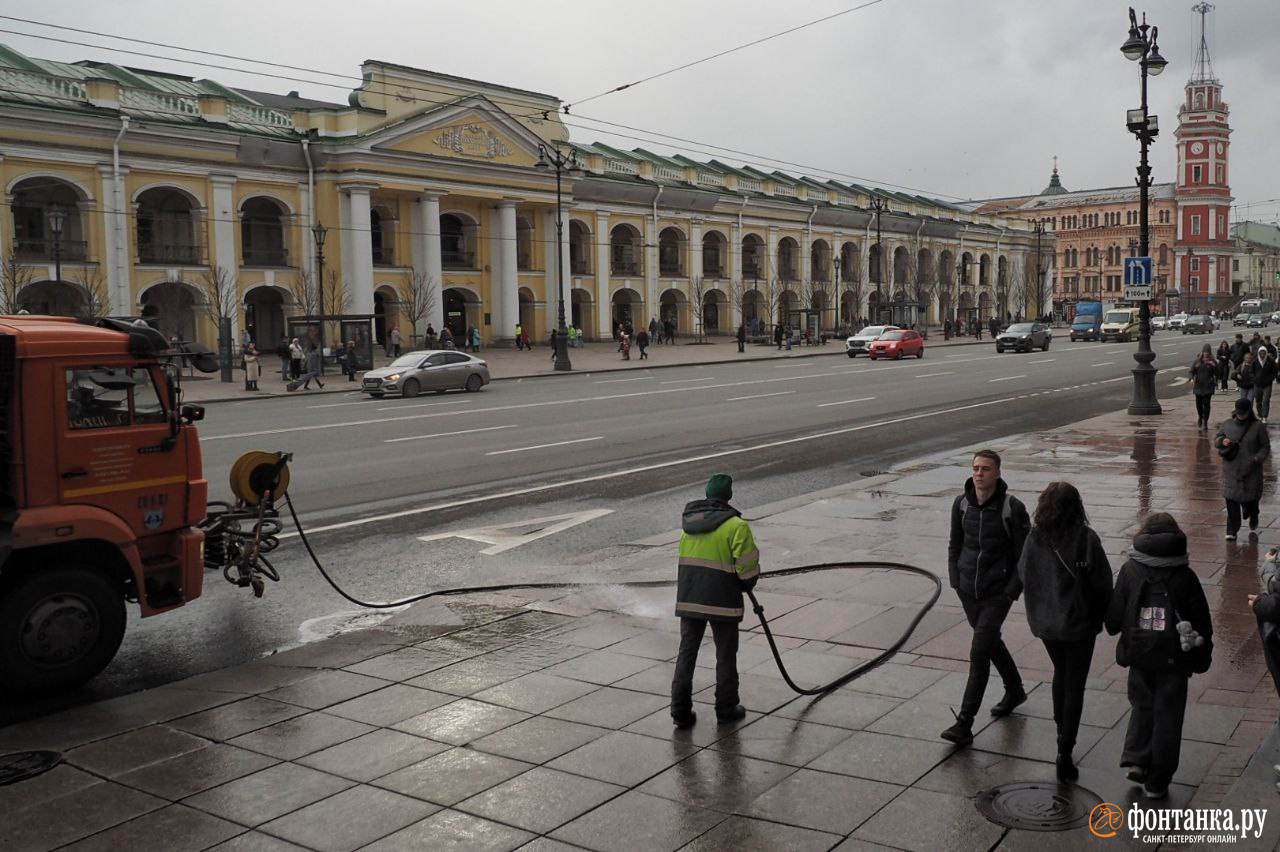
x=1204 y=379
x=1166 y=635
x=988 y=529
x=1067 y=579
x=1244 y=445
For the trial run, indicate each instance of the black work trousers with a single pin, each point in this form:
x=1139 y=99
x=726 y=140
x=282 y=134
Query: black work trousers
x=1247 y=508
x=725 y=635
x=986 y=616
x=1157 y=703
x=1071 y=660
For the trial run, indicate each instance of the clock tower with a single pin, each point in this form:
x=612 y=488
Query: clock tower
x=1203 y=190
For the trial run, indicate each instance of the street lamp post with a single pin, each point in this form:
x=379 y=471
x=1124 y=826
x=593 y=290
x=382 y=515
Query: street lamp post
x=835 y=261
x=57 y=218
x=1038 y=284
x=1143 y=50
x=319 y=232
x=562 y=163
x=879 y=205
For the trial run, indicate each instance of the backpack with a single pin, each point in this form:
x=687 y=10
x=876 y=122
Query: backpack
x=1151 y=638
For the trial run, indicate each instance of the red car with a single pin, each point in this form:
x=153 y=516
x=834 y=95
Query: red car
x=896 y=344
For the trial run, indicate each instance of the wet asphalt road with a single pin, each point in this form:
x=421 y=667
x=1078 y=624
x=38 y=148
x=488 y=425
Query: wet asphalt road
x=372 y=476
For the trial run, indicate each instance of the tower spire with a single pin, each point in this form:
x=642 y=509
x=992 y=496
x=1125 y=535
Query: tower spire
x=1202 y=67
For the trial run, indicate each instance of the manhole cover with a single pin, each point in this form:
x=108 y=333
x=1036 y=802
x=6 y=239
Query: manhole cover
x=21 y=765
x=1038 y=805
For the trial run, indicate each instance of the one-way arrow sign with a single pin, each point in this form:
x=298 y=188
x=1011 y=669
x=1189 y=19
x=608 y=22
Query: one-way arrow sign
x=503 y=537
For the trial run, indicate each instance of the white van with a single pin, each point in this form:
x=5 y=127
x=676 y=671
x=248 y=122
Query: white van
x=1120 y=324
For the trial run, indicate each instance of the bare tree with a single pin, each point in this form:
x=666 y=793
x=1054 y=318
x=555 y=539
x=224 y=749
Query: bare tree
x=306 y=296
x=336 y=299
x=698 y=306
x=852 y=283
x=1036 y=288
x=770 y=294
x=817 y=295
x=1017 y=284
x=221 y=292
x=737 y=295
x=93 y=284
x=14 y=275
x=417 y=299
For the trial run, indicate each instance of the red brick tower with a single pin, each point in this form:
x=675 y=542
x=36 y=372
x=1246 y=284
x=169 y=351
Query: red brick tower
x=1203 y=190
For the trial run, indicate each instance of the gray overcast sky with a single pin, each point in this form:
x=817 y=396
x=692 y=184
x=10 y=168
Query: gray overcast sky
x=954 y=99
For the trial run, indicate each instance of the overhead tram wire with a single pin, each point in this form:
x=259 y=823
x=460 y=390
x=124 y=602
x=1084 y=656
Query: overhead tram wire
x=754 y=160
x=721 y=53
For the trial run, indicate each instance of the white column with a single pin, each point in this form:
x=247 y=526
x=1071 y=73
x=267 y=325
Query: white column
x=358 y=272
x=427 y=253
x=772 y=249
x=604 y=316
x=505 y=298
x=114 y=241
x=549 y=264
x=222 y=212
x=695 y=249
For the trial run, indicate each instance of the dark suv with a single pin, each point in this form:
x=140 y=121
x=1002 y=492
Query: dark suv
x=1025 y=336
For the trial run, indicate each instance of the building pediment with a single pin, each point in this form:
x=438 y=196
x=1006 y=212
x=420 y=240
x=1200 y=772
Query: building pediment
x=470 y=129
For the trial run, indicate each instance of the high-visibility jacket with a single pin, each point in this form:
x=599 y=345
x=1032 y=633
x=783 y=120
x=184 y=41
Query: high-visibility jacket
x=718 y=560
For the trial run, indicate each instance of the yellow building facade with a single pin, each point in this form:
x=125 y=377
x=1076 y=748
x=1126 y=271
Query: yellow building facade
x=147 y=194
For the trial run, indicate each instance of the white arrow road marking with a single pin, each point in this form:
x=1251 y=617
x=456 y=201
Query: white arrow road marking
x=501 y=539
x=447 y=434
x=544 y=446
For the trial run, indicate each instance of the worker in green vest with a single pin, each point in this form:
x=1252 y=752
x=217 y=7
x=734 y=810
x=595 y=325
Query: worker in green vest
x=718 y=561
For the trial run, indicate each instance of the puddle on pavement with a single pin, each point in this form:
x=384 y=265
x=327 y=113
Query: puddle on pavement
x=335 y=624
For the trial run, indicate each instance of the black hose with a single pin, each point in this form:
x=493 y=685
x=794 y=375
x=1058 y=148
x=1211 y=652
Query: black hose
x=856 y=672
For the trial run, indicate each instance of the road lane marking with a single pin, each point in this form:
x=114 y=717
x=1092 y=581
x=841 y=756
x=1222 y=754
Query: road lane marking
x=446 y=434
x=1104 y=364
x=681 y=381
x=422 y=405
x=931 y=375
x=615 y=381
x=1043 y=361
x=758 y=396
x=1005 y=379
x=847 y=401
x=632 y=471
x=544 y=446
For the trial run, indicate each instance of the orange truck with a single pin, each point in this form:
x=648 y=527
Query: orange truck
x=103 y=493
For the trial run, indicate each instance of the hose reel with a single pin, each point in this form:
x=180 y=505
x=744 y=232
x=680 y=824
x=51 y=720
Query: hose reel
x=239 y=535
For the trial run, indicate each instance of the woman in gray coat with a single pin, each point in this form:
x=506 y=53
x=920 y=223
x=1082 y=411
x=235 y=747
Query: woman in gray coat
x=1067 y=582
x=1244 y=446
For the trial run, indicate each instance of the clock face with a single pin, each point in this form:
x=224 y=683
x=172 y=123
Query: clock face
x=1197 y=147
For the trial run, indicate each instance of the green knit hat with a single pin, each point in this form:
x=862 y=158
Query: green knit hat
x=720 y=487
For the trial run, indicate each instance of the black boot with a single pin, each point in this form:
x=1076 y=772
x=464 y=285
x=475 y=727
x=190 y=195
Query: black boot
x=1012 y=698
x=961 y=733
x=1067 y=771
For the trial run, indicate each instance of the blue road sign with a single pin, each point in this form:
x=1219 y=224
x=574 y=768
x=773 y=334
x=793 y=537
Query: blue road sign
x=1137 y=271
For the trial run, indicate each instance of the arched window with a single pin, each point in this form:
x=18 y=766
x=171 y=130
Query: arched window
x=752 y=251
x=671 y=252
x=33 y=200
x=262 y=233
x=579 y=249
x=713 y=245
x=457 y=242
x=624 y=257
x=166 y=228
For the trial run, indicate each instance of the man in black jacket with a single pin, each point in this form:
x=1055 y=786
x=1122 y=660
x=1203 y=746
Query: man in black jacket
x=988 y=529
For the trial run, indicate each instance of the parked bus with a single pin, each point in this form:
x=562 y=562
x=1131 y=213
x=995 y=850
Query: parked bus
x=1257 y=306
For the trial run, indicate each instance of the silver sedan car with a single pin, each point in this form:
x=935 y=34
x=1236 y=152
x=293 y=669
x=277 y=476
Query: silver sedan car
x=426 y=370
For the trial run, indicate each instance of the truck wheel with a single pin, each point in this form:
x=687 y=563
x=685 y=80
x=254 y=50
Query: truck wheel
x=59 y=627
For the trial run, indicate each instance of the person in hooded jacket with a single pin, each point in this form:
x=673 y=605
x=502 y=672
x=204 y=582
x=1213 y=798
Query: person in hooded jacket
x=988 y=529
x=1155 y=592
x=1244 y=445
x=1204 y=379
x=1264 y=377
x=1243 y=376
x=718 y=561
x=1067 y=578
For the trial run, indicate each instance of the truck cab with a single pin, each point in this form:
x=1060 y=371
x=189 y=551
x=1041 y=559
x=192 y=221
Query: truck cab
x=103 y=492
x=1087 y=324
